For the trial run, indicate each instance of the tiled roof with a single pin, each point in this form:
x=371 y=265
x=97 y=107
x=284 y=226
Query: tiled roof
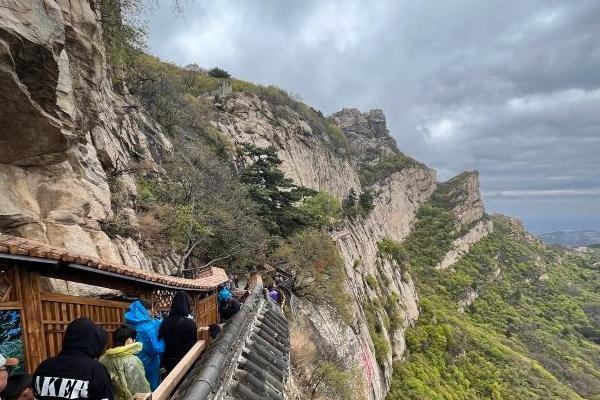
x=209 y=279
x=263 y=366
x=249 y=360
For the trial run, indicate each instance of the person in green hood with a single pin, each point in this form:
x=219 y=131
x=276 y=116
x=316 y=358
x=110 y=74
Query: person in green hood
x=124 y=367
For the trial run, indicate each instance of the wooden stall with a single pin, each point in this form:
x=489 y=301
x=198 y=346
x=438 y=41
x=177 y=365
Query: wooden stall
x=35 y=318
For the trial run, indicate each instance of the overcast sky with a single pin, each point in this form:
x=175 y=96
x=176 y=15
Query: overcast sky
x=510 y=88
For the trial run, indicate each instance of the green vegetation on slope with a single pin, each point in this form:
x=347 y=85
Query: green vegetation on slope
x=532 y=333
x=370 y=173
x=319 y=270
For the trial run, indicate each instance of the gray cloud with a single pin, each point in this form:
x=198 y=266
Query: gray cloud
x=509 y=88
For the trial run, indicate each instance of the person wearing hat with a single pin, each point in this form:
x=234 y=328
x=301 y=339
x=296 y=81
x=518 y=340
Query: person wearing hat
x=125 y=369
x=179 y=332
x=5 y=365
x=138 y=316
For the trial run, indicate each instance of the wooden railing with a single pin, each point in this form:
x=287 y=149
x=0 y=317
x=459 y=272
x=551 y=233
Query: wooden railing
x=168 y=385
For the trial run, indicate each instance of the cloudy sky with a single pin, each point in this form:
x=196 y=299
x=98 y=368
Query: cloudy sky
x=510 y=88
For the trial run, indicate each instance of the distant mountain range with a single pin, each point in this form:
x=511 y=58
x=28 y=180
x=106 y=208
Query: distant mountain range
x=571 y=238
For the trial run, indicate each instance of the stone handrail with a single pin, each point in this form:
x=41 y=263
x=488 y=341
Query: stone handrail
x=219 y=358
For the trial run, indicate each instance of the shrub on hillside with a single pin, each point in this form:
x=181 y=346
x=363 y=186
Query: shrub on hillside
x=320 y=275
x=370 y=174
x=322 y=209
x=218 y=73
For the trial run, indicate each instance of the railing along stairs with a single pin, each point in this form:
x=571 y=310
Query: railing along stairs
x=248 y=360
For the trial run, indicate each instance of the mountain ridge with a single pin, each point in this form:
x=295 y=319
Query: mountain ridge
x=571 y=238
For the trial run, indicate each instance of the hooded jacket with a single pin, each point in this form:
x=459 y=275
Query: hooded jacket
x=178 y=331
x=74 y=373
x=147 y=333
x=126 y=371
x=224 y=295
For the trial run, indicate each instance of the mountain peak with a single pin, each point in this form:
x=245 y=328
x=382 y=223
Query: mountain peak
x=461 y=196
x=370 y=124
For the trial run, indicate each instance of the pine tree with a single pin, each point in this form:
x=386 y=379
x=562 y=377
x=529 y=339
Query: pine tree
x=349 y=204
x=276 y=195
x=365 y=202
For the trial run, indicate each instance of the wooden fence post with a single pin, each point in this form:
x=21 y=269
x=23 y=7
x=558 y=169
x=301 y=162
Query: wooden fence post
x=33 y=330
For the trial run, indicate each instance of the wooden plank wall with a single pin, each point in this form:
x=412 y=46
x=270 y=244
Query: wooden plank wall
x=59 y=309
x=206 y=311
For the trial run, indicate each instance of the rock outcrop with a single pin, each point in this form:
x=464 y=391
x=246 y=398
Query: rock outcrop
x=247 y=119
x=309 y=161
x=462 y=244
x=461 y=195
x=367 y=134
x=65 y=135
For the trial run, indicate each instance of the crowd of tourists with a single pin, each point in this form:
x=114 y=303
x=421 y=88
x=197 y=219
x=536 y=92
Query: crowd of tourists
x=143 y=349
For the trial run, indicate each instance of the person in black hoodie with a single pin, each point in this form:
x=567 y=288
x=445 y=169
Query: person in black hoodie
x=178 y=331
x=75 y=372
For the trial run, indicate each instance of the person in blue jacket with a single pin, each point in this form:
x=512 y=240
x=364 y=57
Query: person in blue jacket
x=228 y=304
x=147 y=333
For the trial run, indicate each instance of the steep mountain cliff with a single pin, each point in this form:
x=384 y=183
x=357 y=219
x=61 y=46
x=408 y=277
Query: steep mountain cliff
x=86 y=150
x=72 y=144
x=401 y=188
x=66 y=136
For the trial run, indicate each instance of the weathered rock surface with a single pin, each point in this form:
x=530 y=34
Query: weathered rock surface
x=461 y=193
x=367 y=134
x=247 y=119
x=63 y=132
x=310 y=162
x=461 y=246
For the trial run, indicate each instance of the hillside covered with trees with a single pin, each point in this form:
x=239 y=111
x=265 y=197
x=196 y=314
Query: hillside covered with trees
x=513 y=319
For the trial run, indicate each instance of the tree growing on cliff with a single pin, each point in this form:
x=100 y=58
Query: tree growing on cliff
x=205 y=213
x=319 y=269
x=218 y=73
x=277 y=197
x=319 y=375
x=123 y=30
x=349 y=204
x=365 y=202
x=323 y=209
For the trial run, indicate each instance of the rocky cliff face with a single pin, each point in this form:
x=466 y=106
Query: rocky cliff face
x=66 y=137
x=368 y=135
x=310 y=162
x=244 y=118
x=70 y=145
x=461 y=195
